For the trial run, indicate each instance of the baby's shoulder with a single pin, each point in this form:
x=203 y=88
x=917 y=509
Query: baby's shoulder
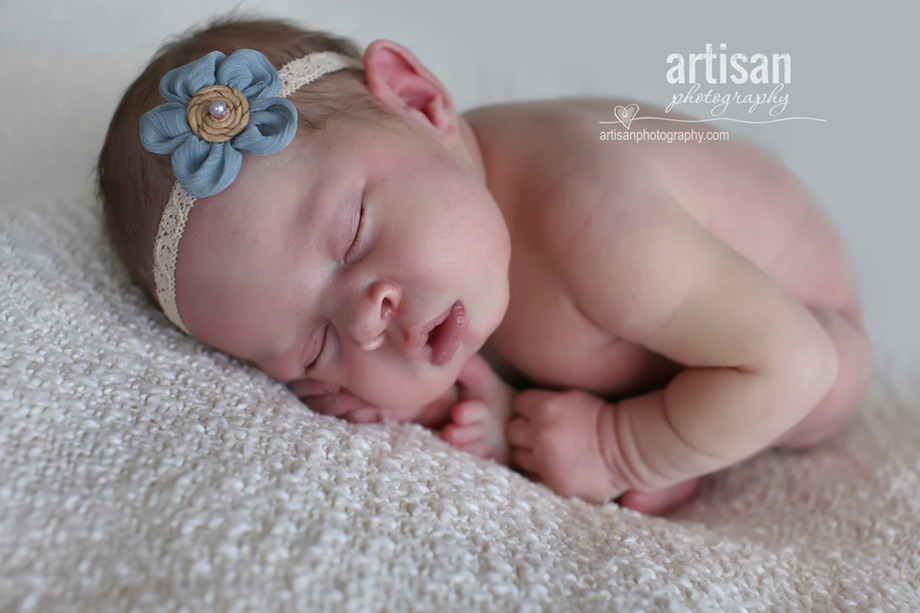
x=543 y=131
x=541 y=151
x=547 y=157
x=556 y=158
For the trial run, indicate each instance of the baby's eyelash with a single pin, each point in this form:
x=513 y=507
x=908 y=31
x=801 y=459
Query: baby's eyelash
x=357 y=239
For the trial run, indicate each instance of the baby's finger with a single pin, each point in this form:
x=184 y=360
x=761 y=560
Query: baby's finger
x=527 y=401
x=469 y=412
x=336 y=404
x=519 y=434
x=478 y=448
x=310 y=388
x=463 y=435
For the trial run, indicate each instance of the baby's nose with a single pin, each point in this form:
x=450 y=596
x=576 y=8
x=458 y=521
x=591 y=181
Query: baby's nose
x=376 y=309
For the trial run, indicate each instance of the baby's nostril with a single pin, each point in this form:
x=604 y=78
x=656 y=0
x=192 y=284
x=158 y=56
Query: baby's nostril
x=387 y=308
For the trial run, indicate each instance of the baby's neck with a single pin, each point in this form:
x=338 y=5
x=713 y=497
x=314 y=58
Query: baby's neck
x=486 y=161
x=472 y=149
x=493 y=161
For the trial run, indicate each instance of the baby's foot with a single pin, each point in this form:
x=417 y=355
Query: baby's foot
x=476 y=429
x=662 y=501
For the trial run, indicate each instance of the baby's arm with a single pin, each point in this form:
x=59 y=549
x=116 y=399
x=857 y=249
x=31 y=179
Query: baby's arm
x=757 y=360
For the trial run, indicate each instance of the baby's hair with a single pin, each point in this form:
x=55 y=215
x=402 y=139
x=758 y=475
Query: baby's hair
x=134 y=185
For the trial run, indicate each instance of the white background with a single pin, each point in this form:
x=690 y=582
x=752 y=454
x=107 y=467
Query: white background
x=64 y=64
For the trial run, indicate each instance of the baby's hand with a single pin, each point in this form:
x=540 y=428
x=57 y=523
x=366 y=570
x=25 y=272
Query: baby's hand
x=479 y=418
x=557 y=439
x=554 y=438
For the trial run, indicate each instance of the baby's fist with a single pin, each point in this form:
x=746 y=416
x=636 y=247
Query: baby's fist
x=555 y=439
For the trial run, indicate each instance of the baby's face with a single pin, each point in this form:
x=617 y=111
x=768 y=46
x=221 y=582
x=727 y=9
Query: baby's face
x=368 y=262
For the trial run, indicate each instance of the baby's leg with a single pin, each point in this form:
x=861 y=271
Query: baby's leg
x=857 y=364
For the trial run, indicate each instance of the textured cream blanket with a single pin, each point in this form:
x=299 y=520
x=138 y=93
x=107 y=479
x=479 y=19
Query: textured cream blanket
x=141 y=471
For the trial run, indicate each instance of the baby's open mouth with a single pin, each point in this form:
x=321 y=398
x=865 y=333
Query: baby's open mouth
x=444 y=338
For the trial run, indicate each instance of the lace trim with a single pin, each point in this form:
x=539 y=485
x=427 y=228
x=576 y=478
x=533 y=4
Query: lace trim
x=303 y=71
x=294 y=75
x=166 y=252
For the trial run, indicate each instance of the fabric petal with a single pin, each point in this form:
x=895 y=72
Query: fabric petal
x=250 y=73
x=164 y=128
x=182 y=83
x=204 y=169
x=269 y=130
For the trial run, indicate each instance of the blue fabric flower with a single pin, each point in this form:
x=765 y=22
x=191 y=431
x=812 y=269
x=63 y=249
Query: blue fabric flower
x=216 y=109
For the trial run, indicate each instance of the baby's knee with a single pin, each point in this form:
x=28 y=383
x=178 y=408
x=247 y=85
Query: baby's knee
x=856 y=366
x=857 y=361
x=855 y=354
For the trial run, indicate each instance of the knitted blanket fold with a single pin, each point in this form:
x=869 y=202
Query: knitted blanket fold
x=140 y=470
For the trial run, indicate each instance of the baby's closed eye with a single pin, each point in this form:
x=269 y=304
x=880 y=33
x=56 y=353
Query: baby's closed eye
x=354 y=247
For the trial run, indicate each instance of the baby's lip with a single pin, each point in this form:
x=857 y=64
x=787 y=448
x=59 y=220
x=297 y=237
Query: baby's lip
x=445 y=338
x=417 y=339
x=438 y=339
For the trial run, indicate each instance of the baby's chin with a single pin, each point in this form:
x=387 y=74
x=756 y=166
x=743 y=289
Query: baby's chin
x=424 y=404
x=411 y=405
x=433 y=414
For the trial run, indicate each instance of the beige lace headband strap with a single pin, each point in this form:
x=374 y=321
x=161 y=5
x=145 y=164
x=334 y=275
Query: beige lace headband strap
x=265 y=92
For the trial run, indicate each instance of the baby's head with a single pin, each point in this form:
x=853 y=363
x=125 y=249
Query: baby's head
x=352 y=249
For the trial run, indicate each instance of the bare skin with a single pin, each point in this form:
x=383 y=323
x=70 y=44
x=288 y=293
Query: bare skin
x=729 y=199
x=663 y=310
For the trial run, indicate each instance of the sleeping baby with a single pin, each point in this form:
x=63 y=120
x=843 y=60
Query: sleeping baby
x=614 y=319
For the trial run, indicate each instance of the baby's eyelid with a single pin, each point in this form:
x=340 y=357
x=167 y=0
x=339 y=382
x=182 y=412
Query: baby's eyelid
x=356 y=241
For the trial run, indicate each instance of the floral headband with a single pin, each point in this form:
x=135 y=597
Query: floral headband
x=218 y=108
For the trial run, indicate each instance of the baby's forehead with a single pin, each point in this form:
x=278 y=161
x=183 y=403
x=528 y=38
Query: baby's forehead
x=315 y=169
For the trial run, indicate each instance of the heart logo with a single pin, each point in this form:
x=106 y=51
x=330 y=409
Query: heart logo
x=625 y=114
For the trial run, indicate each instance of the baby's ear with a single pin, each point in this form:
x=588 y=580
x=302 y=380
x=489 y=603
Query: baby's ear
x=405 y=87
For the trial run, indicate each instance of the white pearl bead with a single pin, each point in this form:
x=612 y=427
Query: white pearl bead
x=217 y=109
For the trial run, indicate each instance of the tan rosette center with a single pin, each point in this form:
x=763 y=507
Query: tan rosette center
x=213 y=129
